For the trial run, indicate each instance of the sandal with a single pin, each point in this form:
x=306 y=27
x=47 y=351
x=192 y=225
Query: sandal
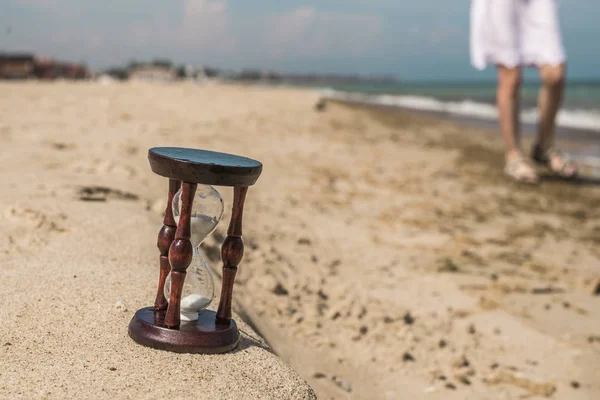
x=555 y=161
x=519 y=169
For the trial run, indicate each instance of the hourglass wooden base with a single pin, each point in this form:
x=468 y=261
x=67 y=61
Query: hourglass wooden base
x=205 y=336
x=160 y=326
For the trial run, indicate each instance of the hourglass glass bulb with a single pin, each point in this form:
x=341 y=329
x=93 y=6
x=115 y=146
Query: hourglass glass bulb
x=198 y=289
x=207 y=211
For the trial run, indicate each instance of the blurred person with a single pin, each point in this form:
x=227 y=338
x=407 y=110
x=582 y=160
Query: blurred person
x=512 y=34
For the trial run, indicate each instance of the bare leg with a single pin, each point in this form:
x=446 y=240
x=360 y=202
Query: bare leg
x=508 y=99
x=549 y=101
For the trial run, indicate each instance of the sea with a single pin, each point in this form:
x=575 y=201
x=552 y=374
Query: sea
x=474 y=103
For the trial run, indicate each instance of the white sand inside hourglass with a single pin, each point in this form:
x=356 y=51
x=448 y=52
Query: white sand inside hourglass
x=201 y=226
x=191 y=305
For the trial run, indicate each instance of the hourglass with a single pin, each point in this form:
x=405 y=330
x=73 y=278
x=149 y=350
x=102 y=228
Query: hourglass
x=179 y=321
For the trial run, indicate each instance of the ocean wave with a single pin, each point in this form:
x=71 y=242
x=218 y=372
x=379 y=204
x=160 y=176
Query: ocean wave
x=571 y=118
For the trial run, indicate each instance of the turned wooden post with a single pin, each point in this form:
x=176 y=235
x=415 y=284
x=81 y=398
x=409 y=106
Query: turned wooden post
x=232 y=252
x=165 y=238
x=180 y=254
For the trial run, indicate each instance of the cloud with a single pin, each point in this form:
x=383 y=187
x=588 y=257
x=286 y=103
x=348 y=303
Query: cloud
x=202 y=8
x=208 y=30
x=206 y=25
x=203 y=28
x=306 y=31
x=288 y=28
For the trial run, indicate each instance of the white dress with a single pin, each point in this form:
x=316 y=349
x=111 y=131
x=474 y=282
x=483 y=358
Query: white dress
x=515 y=33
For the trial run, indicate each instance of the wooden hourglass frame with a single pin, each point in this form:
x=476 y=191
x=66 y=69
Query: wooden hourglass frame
x=160 y=326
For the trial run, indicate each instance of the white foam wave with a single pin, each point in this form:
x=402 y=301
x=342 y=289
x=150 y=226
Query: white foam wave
x=581 y=119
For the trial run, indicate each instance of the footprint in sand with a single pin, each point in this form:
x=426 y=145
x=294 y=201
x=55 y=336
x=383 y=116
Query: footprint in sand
x=26 y=227
x=35 y=219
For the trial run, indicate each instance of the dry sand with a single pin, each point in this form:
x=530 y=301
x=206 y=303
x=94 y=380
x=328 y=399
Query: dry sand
x=79 y=216
x=386 y=257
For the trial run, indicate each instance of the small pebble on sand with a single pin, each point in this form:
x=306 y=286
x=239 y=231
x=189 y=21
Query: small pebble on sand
x=304 y=241
x=430 y=389
x=279 y=290
x=462 y=378
x=451 y=386
x=119 y=305
x=461 y=362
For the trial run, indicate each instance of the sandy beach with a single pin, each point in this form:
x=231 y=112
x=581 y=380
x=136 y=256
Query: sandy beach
x=386 y=255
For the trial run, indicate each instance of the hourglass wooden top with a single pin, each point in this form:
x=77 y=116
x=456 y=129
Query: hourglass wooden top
x=203 y=166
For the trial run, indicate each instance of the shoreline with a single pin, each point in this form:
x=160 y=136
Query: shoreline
x=580 y=120
x=577 y=134
x=581 y=144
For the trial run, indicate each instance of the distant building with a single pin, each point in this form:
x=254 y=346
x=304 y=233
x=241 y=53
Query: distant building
x=16 y=66
x=153 y=73
x=47 y=68
x=25 y=66
x=76 y=71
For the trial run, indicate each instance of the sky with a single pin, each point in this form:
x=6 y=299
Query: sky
x=423 y=40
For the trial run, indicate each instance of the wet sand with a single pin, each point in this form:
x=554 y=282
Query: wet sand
x=386 y=255
x=578 y=143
